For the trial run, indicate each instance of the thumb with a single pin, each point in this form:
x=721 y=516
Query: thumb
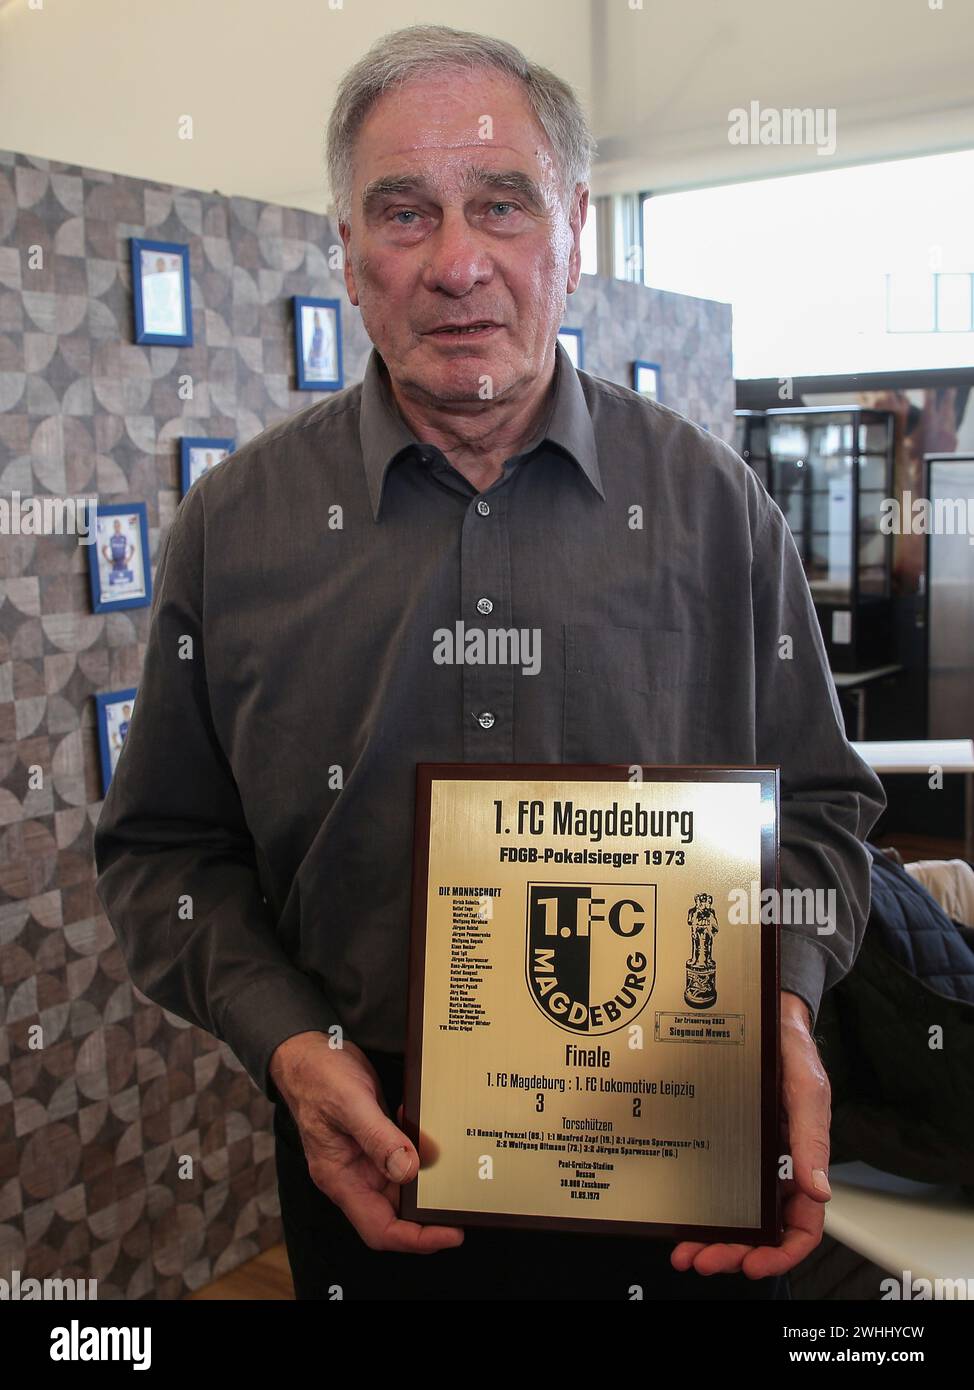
x=807 y=1102
x=382 y=1141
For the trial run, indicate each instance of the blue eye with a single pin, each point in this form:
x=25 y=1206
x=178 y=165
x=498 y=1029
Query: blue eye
x=405 y=212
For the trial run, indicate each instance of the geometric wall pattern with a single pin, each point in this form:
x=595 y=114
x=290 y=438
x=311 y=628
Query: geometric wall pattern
x=95 y=1121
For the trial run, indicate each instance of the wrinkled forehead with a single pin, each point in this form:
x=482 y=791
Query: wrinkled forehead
x=447 y=129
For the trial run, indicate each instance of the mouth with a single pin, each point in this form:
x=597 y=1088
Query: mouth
x=454 y=332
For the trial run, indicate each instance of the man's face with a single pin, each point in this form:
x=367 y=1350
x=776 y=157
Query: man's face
x=474 y=230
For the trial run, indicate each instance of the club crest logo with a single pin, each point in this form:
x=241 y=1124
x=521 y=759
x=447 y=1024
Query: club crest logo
x=591 y=953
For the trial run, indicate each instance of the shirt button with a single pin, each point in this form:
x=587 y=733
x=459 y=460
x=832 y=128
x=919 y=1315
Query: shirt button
x=484 y=605
x=485 y=720
x=483 y=507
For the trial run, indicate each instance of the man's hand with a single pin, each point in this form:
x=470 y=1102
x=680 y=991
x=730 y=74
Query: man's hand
x=806 y=1103
x=356 y=1155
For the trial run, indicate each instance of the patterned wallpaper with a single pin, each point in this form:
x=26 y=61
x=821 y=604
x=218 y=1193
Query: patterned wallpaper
x=690 y=340
x=133 y=1148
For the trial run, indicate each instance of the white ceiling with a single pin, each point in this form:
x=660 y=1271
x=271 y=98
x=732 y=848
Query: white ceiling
x=104 y=83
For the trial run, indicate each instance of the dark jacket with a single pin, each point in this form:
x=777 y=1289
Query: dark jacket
x=897 y=1038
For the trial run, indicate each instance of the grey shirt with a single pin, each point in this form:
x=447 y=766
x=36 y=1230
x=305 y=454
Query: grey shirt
x=254 y=849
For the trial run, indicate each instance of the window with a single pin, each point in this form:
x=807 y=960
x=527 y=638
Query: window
x=844 y=270
x=929 y=303
x=955 y=303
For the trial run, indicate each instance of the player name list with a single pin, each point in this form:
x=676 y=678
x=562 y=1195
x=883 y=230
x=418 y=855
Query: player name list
x=470 y=933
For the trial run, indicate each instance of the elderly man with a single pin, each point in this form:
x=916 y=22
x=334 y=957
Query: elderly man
x=254 y=850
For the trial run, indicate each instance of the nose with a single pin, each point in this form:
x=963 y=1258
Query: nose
x=456 y=256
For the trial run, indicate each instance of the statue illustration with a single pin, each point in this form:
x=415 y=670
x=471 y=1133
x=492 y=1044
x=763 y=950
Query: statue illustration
x=701 y=987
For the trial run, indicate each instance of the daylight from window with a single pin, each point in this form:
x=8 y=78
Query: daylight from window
x=849 y=270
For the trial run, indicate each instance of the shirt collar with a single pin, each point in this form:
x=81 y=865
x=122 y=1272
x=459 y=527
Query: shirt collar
x=385 y=435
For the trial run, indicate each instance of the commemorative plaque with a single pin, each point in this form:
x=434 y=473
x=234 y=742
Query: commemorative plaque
x=593 y=1000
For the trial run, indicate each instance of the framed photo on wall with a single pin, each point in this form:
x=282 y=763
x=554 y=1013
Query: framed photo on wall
x=646 y=379
x=161 y=293
x=318 y=344
x=571 y=340
x=196 y=456
x=114 y=711
x=119 y=558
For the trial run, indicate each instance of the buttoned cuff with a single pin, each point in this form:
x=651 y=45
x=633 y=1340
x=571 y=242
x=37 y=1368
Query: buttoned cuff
x=268 y=1012
x=803 y=964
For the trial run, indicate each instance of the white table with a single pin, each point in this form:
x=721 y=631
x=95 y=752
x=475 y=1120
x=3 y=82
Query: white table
x=919 y=755
x=902 y=1225
x=848 y=680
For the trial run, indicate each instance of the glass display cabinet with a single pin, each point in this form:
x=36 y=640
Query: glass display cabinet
x=829 y=469
x=950 y=596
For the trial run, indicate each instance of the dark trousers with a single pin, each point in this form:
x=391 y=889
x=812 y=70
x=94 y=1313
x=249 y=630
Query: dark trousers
x=327 y=1255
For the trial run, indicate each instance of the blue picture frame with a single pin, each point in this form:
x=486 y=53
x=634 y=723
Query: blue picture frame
x=124 y=567
x=638 y=368
x=186 y=447
x=103 y=705
x=329 y=349
x=149 y=316
x=576 y=337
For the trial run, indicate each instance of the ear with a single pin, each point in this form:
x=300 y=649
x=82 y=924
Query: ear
x=345 y=232
x=576 y=220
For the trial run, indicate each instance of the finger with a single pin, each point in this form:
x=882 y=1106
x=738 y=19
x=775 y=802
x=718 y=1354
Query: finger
x=721 y=1259
x=374 y=1218
x=804 y=1223
x=806 y=1098
x=805 y=1219
x=384 y=1143
x=682 y=1255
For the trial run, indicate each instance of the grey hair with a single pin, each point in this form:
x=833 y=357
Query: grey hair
x=425 y=48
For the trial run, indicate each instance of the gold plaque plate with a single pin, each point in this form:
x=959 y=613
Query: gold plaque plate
x=593 y=1012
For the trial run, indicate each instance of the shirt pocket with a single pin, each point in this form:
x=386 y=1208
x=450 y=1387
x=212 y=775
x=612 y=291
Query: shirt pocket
x=635 y=694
